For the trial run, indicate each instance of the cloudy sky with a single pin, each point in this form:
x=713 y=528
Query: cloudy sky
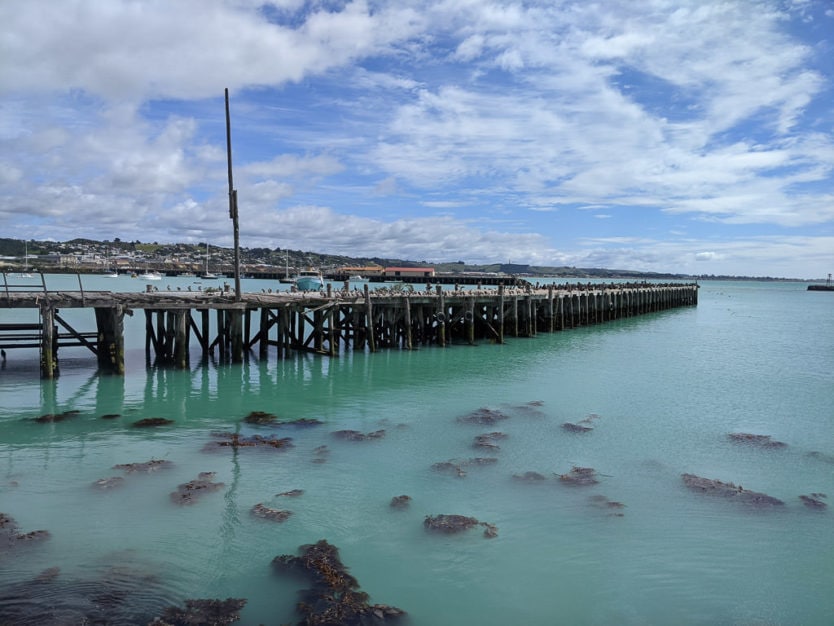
x=660 y=135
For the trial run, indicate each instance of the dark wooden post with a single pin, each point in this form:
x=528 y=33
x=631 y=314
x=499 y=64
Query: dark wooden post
x=160 y=335
x=263 y=345
x=318 y=330
x=148 y=334
x=501 y=313
x=222 y=333
x=233 y=211
x=369 y=316
x=182 y=354
x=247 y=327
x=441 y=318
x=332 y=313
x=49 y=343
x=236 y=334
x=359 y=331
x=284 y=315
x=111 y=344
x=407 y=322
x=205 y=337
x=469 y=321
x=550 y=311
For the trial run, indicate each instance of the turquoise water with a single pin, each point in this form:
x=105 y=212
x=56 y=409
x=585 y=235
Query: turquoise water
x=667 y=388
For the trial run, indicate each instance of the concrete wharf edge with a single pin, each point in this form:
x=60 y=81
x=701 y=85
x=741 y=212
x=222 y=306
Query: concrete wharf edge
x=322 y=322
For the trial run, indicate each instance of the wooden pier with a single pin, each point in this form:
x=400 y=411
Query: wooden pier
x=325 y=323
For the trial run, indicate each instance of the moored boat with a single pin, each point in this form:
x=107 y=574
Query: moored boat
x=287 y=279
x=206 y=274
x=309 y=280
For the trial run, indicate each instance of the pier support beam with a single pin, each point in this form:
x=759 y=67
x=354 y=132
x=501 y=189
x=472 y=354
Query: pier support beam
x=182 y=353
x=111 y=342
x=469 y=321
x=49 y=344
x=369 y=320
x=407 y=322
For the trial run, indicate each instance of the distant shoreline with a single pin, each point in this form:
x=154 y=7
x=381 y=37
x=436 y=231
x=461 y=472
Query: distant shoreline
x=15 y=256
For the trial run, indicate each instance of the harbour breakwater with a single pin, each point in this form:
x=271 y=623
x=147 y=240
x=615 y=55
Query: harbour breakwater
x=325 y=323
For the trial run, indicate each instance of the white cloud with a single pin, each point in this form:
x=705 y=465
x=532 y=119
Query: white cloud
x=706 y=256
x=184 y=49
x=391 y=121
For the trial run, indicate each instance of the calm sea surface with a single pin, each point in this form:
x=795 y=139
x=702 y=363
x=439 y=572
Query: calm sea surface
x=662 y=393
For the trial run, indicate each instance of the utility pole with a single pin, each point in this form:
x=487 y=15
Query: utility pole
x=233 y=200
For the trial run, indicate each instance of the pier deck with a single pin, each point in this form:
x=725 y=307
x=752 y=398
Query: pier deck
x=324 y=322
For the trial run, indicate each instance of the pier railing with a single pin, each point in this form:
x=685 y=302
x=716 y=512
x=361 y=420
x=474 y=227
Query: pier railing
x=9 y=287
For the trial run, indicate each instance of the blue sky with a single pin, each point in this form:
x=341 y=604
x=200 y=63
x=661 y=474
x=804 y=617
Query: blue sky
x=670 y=136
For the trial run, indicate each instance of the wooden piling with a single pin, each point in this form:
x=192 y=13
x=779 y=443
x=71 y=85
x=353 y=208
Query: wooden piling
x=407 y=321
x=369 y=320
x=110 y=346
x=469 y=321
x=49 y=348
x=181 y=354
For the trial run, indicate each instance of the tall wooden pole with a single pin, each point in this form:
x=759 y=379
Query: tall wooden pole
x=233 y=199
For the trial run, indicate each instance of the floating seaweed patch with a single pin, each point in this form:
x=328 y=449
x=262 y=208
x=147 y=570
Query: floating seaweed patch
x=110 y=416
x=292 y=493
x=449 y=467
x=737 y=493
x=487 y=440
x=146 y=466
x=456 y=466
x=320 y=454
x=760 y=441
x=275 y=515
x=528 y=409
x=112 y=482
x=483 y=416
x=576 y=428
x=187 y=493
x=355 y=435
x=821 y=456
x=814 y=501
x=10 y=535
x=213 y=612
x=260 y=417
x=480 y=460
x=301 y=422
x=530 y=477
x=335 y=596
x=400 y=502
x=580 y=476
x=582 y=426
x=235 y=440
x=50 y=418
x=457 y=523
x=612 y=506
x=152 y=422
